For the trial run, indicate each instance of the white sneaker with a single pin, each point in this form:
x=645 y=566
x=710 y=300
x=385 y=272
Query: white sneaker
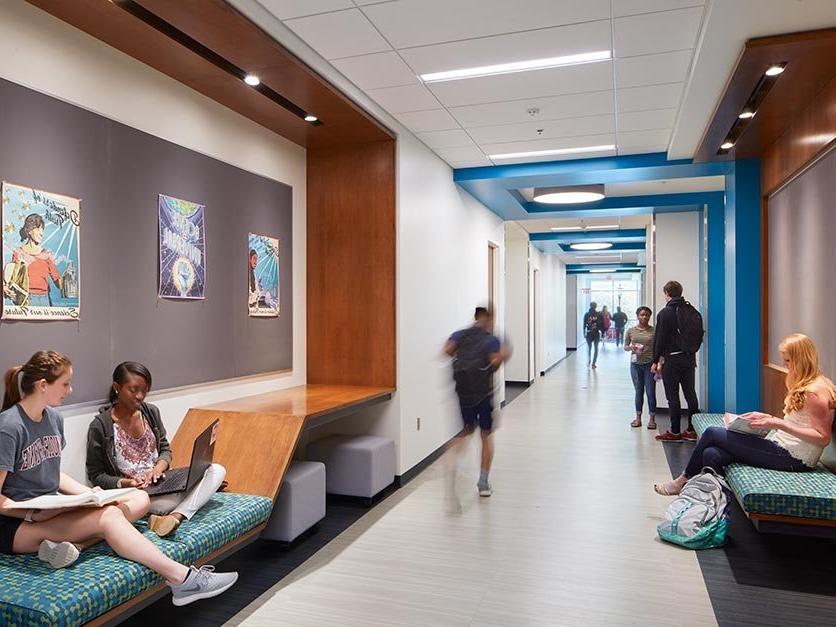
x=202 y=583
x=57 y=554
x=485 y=489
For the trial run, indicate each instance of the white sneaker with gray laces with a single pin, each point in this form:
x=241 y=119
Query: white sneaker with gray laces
x=57 y=554
x=201 y=583
x=485 y=489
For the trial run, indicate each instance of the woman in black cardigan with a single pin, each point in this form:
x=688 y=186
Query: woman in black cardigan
x=127 y=447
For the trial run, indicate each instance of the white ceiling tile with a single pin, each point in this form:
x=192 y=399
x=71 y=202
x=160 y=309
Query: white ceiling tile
x=657 y=32
x=340 y=34
x=288 y=9
x=410 y=23
x=538 y=44
x=471 y=153
x=667 y=186
x=632 y=139
x=622 y=8
x=404 y=99
x=653 y=69
x=446 y=139
x=473 y=163
x=373 y=71
x=651 y=97
x=591 y=155
x=553 y=108
x=550 y=144
x=646 y=120
x=535 y=84
x=423 y=121
x=573 y=127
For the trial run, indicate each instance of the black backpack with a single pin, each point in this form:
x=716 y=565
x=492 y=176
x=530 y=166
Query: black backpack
x=471 y=367
x=592 y=323
x=689 y=327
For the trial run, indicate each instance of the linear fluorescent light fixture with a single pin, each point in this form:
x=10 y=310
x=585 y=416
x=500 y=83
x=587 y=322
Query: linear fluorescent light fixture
x=601 y=226
x=556 y=151
x=567 y=228
x=602 y=270
x=517 y=66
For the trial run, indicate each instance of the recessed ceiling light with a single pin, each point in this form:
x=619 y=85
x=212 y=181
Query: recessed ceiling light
x=557 y=151
x=567 y=228
x=311 y=118
x=601 y=226
x=745 y=115
x=775 y=70
x=569 y=195
x=727 y=145
x=252 y=80
x=518 y=66
x=590 y=245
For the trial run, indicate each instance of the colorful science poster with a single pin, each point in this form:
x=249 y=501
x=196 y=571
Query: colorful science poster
x=182 y=248
x=41 y=273
x=263 y=276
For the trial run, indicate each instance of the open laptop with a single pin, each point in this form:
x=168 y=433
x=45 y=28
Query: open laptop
x=185 y=478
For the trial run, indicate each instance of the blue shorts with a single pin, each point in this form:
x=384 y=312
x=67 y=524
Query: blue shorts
x=481 y=414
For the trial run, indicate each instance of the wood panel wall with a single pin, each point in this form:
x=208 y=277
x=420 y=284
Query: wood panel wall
x=351 y=264
x=774 y=386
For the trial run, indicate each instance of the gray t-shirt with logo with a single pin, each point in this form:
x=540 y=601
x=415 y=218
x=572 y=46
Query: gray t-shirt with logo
x=30 y=453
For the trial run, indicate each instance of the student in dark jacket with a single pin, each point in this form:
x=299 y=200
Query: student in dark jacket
x=127 y=447
x=593 y=327
x=620 y=321
x=678 y=366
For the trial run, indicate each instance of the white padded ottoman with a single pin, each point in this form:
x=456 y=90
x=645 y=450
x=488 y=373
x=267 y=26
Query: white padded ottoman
x=301 y=502
x=357 y=465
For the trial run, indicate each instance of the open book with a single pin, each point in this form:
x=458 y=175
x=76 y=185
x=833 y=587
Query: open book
x=735 y=422
x=88 y=499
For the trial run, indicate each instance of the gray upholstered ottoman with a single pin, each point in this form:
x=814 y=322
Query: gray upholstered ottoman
x=357 y=465
x=301 y=502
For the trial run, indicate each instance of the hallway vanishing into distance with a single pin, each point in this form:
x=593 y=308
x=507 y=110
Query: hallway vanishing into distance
x=567 y=539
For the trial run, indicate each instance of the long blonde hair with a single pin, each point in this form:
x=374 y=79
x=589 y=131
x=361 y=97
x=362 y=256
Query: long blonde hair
x=804 y=370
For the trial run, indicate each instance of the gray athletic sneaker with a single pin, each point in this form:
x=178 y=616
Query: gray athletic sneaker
x=202 y=583
x=485 y=489
x=57 y=554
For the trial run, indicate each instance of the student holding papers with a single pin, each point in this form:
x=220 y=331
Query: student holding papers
x=31 y=440
x=794 y=443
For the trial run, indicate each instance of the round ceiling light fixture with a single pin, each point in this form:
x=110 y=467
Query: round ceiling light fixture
x=775 y=70
x=727 y=145
x=591 y=245
x=569 y=195
x=252 y=80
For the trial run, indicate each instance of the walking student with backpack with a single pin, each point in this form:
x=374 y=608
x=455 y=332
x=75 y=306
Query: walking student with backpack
x=593 y=326
x=476 y=353
x=679 y=334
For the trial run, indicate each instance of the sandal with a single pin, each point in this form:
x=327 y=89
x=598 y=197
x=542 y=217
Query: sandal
x=651 y=425
x=636 y=423
x=671 y=488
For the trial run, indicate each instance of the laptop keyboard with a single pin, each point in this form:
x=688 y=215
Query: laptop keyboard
x=175 y=481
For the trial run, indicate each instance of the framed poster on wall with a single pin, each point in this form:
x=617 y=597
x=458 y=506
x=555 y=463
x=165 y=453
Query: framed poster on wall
x=263 y=276
x=41 y=270
x=182 y=248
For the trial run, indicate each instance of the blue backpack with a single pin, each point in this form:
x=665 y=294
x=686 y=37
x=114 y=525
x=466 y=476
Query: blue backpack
x=696 y=518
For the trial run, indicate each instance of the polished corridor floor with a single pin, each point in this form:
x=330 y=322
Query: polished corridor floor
x=567 y=539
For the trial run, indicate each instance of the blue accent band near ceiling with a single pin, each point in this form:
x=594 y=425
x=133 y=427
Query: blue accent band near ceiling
x=625 y=235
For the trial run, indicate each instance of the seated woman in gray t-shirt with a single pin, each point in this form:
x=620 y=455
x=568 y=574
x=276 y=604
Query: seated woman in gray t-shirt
x=31 y=440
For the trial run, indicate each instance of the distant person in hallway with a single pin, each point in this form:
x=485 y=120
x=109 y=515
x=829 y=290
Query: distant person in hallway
x=679 y=333
x=607 y=317
x=593 y=326
x=620 y=320
x=796 y=441
x=639 y=342
x=476 y=353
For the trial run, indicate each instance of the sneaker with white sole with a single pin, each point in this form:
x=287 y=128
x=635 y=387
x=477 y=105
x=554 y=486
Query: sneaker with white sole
x=57 y=554
x=201 y=583
x=485 y=489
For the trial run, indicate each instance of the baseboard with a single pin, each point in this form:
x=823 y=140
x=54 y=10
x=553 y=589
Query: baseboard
x=557 y=363
x=522 y=384
x=409 y=475
x=574 y=348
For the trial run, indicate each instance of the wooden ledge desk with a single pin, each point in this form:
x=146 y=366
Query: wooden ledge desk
x=258 y=434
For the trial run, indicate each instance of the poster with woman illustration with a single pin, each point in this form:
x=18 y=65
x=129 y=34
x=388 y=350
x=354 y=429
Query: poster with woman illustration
x=41 y=273
x=263 y=276
x=182 y=248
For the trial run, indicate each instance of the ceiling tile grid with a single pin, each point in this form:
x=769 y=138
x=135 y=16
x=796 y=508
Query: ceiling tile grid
x=629 y=101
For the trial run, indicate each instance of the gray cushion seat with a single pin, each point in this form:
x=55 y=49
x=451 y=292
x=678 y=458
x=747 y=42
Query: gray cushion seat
x=301 y=502
x=356 y=465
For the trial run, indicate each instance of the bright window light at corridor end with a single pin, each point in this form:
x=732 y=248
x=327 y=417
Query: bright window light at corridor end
x=518 y=66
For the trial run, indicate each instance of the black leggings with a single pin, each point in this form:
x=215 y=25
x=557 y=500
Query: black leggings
x=718 y=447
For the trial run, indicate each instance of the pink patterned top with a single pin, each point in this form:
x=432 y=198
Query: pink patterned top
x=135 y=456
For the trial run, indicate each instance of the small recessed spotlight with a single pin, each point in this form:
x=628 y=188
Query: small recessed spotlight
x=774 y=70
x=745 y=115
x=252 y=80
x=311 y=118
x=727 y=145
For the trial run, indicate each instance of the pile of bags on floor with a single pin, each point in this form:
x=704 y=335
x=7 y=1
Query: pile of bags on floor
x=696 y=518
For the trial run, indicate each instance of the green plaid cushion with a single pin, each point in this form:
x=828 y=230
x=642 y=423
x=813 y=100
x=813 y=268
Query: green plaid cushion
x=32 y=593
x=803 y=494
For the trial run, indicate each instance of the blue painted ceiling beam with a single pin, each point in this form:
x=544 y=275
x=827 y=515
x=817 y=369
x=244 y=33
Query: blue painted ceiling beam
x=587 y=266
x=623 y=235
x=616 y=246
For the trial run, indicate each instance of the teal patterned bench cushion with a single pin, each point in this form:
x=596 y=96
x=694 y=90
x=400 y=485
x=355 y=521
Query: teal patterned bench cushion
x=802 y=494
x=32 y=593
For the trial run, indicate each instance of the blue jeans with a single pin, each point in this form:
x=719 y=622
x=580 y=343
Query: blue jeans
x=718 y=447
x=645 y=384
